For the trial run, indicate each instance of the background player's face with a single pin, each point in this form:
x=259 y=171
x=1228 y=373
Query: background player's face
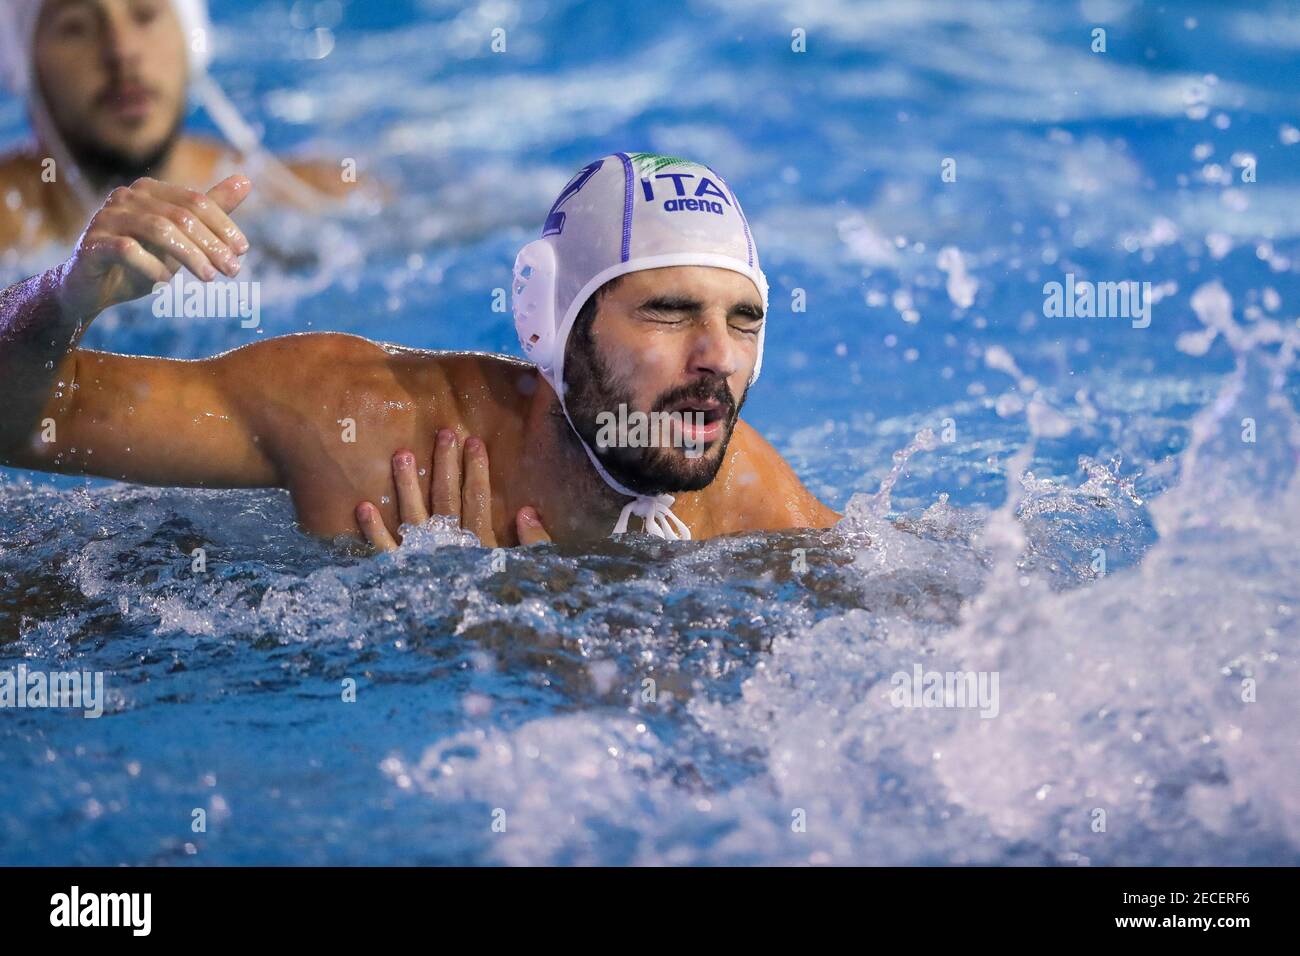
x=113 y=76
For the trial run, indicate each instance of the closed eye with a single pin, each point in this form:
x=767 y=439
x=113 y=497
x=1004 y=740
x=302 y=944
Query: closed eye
x=744 y=317
x=678 y=306
x=750 y=317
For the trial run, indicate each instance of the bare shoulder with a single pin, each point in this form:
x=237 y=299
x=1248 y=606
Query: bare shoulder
x=486 y=379
x=290 y=377
x=19 y=170
x=765 y=493
x=333 y=375
x=343 y=360
x=313 y=346
x=290 y=361
x=325 y=178
x=330 y=409
x=21 y=201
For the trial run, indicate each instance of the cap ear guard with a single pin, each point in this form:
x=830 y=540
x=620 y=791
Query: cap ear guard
x=532 y=298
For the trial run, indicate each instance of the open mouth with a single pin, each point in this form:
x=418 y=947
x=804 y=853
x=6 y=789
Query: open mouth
x=708 y=412
x=701 y=421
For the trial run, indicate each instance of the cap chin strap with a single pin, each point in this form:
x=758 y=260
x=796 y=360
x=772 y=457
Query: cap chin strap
x=47 y=134
x=655 y=511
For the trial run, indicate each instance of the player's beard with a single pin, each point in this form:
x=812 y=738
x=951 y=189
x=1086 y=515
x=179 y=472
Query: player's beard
x=592 y=388
x=107 y=167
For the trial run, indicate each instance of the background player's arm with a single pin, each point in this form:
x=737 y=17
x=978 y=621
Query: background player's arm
x=147 y=420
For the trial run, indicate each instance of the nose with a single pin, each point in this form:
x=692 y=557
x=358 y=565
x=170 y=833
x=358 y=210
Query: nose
x=714 y=351
x=122 y=40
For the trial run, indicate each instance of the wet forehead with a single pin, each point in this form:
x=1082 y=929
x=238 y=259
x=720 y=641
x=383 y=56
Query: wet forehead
x=701 y=281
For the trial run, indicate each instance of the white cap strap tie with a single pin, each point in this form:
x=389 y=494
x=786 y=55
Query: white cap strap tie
x=656 y=511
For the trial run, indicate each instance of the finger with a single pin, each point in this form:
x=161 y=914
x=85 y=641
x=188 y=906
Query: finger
x=108 y=220
x=114 y=222
x=219 y=254
x=163 y=237
x=207 y=211
x=230 y=192
x=476 y=494
x=446 y=475
x=410 y=500
x=373 y=527
x=129 y=254
x=528 y=525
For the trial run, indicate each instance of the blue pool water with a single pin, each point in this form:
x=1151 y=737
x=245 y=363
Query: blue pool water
x=1159 y=693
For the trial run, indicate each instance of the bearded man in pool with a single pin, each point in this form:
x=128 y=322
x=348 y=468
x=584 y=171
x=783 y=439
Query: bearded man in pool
x=644 y=292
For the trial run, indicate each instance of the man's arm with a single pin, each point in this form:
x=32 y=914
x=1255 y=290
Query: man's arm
x=151 y=421
x=147 y=420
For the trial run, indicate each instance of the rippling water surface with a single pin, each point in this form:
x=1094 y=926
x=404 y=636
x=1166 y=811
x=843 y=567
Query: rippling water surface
x=730 y=700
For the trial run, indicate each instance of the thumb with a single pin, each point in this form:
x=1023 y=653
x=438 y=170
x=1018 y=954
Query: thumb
x=231 y=191
x=529 y=527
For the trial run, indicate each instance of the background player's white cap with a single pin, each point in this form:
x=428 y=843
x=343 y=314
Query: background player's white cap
x=18 y=28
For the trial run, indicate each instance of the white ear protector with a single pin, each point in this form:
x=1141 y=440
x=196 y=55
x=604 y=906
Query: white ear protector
x=533 y=300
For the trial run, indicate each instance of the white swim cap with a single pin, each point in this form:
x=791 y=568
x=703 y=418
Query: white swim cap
x=626 y=213
x=18 y=32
